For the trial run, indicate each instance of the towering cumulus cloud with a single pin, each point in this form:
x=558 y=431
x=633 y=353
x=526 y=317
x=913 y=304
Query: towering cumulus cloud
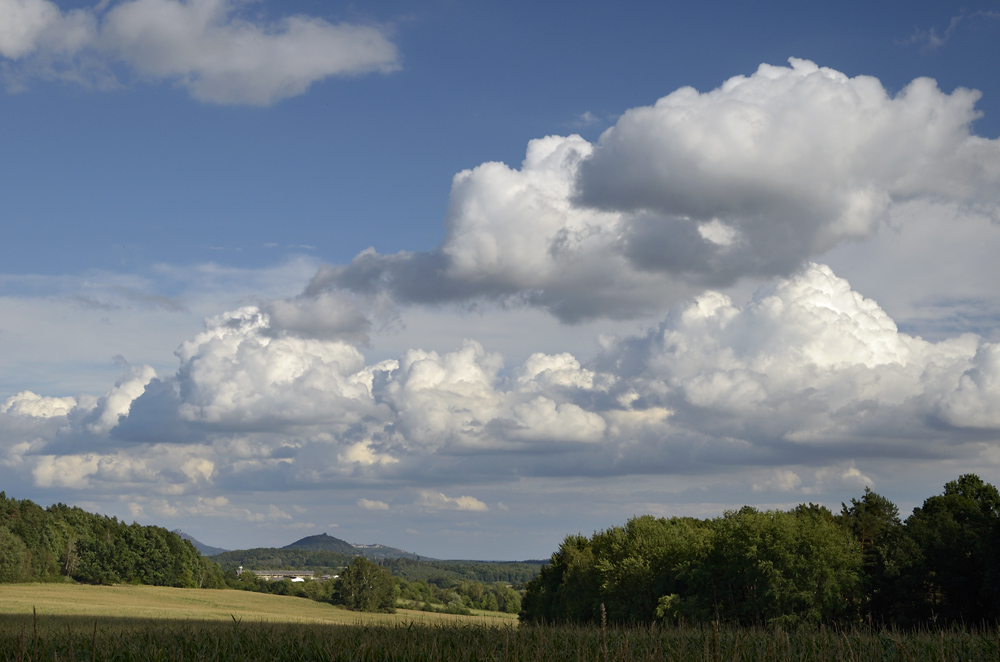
x=696 y=191
x=207 y=46
x=751 y=180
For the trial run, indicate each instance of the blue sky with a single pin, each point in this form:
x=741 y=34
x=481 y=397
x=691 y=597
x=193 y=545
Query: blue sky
x=184 y=323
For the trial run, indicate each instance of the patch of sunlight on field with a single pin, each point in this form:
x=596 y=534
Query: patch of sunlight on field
x=162 y=603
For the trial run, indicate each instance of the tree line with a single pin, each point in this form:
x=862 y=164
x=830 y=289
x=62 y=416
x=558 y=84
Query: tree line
x=48 y=544
x=365 y=585
x=806 y=565
x=459 y=597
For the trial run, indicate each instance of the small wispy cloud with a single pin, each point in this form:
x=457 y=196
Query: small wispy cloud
x=932 y=40
x=586 y=119
x=438 y=501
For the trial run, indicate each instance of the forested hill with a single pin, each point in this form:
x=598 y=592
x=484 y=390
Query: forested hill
x=42 y=544
x=322 y=553
x=941 y=565
x=328 y=543
x=323 y=542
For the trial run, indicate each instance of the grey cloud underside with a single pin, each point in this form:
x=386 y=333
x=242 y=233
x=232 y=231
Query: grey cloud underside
x=412 y=277
x=424 y=279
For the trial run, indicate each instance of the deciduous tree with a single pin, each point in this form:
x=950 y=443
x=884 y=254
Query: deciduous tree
x=364 y=586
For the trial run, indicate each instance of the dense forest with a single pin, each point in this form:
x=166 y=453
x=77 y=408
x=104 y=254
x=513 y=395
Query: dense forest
x=58 y=542
x=807 y=565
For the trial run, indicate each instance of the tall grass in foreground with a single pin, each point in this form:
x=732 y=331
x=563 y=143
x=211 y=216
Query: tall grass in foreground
x=70 y=638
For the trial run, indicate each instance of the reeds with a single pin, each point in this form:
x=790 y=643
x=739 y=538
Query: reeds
x=64 y=639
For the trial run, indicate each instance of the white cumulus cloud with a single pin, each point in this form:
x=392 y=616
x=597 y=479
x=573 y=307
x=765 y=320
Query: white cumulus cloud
x=808 y=360
x=211 y=47
x=237 y=371
x=699 y=190
x=27 y=403
x=808 y=386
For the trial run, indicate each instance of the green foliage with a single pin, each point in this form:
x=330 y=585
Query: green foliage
x=445 y=572
x=804 y=566
x=644 y=560
x=566 y=590
x=271 y=558
x=776 y=567
x=43 y=544
x=891 y=585
x=628 y=569
x=324 y=543
x=958 y=533
x=13 y=556
x=460 y=597
x=427 y=570
x=364 y=586
x=747 y=567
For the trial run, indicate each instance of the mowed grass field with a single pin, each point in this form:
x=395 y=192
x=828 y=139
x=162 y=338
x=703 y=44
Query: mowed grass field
x=157 y=603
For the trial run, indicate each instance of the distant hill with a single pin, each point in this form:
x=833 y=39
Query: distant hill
x=327 y=543
x=206 y=550
x=321 y=553
x=323 y=543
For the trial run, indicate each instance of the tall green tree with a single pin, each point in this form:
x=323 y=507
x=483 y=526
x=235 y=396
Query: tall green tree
x=892 y=582
x=958 y=533
x=566 y=590
x=364 y=586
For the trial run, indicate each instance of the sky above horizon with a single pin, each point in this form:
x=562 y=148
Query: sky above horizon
x=463 y=277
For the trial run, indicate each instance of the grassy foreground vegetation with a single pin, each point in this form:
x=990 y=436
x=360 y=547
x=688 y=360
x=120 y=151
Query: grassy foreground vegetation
x=60 y=635
x=79 y=622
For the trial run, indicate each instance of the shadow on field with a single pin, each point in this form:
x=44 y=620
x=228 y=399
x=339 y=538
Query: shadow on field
x=24 y=638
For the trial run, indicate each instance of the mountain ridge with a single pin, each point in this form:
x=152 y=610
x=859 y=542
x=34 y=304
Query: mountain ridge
x=205 y=550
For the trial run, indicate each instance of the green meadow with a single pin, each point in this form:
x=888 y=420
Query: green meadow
x=159 y=603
